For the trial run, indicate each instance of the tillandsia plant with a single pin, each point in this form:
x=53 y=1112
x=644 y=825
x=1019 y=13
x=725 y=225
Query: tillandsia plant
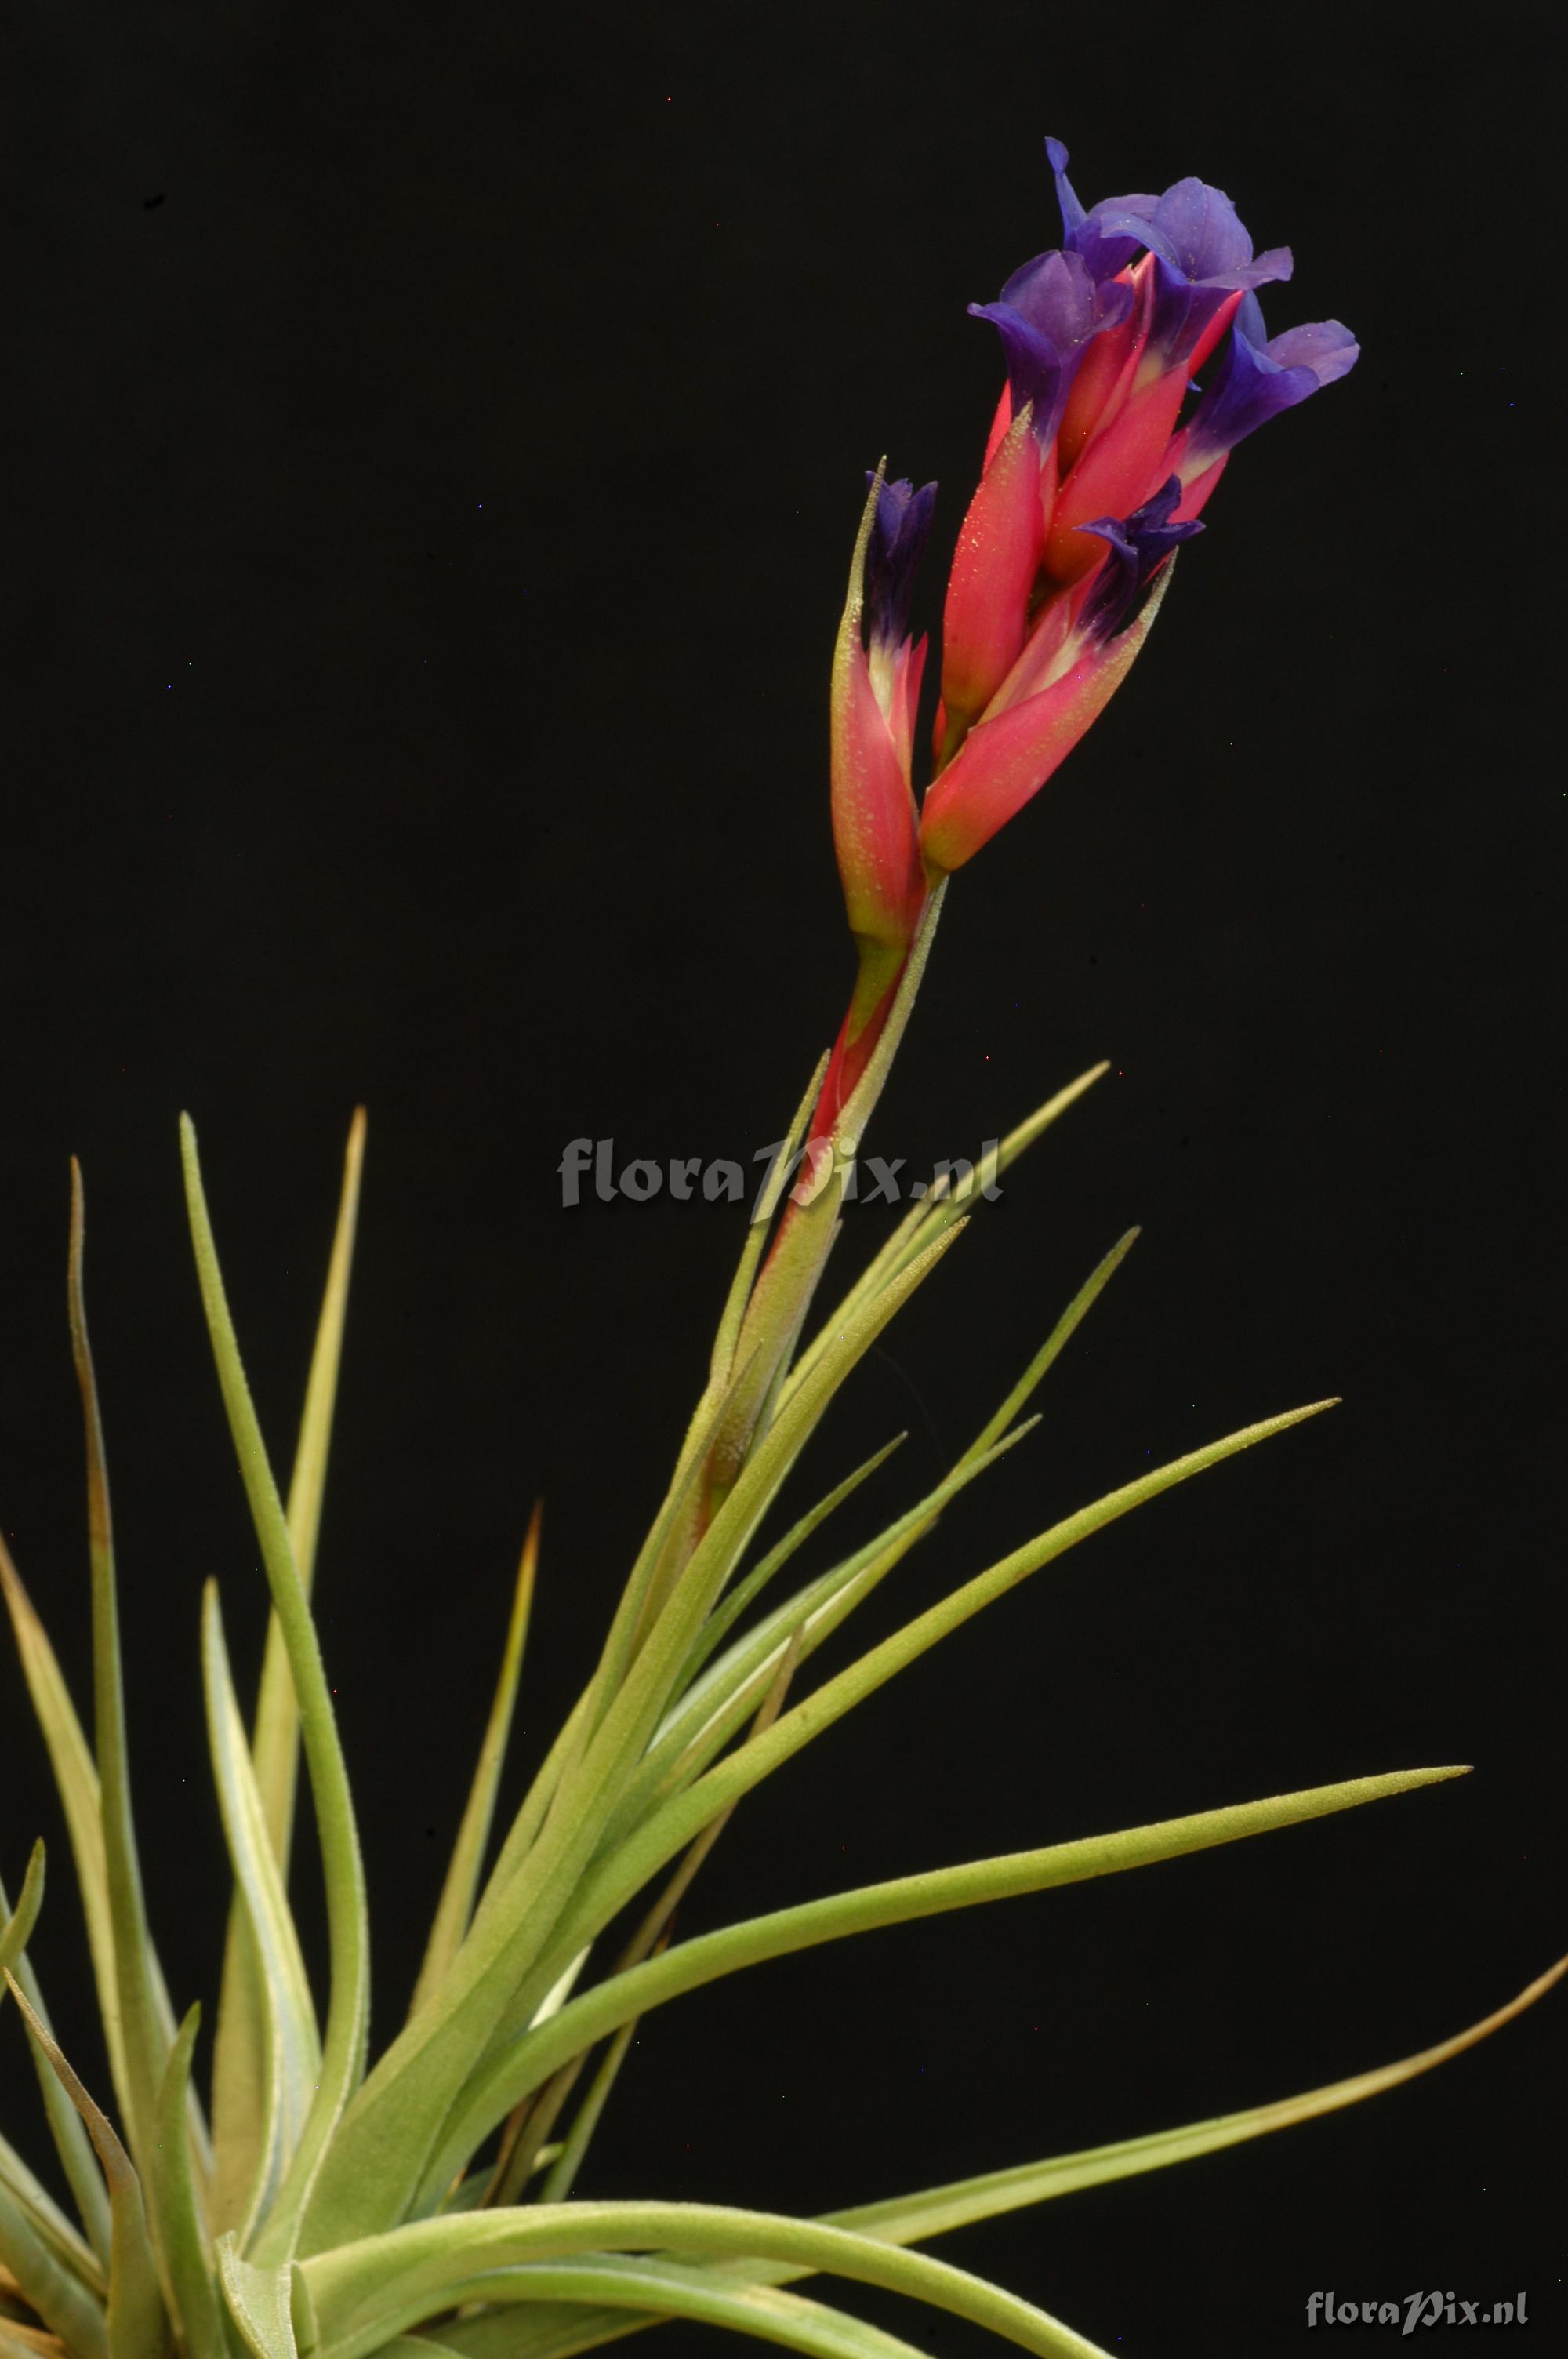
x=317 y=2203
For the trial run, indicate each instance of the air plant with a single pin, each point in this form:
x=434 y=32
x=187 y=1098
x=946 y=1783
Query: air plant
x=316 y=2205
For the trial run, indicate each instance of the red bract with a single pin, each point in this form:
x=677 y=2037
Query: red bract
x=874 y=694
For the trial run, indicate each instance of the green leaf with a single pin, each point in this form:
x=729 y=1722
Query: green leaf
x=72 y=2142
x=58 y=2295
x=1051 y=1351
x=652 y=1937
x=893 y=1544
x=253 y=2155
x=136 y=2324
x=145 y=2041
x=562 y=2307
x=881 y=1556
x=178 y=2211
x=716 y=1705
x=259 y=2301
x=242 y=2097
x=541 y=2330
x=378 y=2154
x=76 y=1780
x=724 y=1617
x=456 y=1904
x=940 y=2209
x=275 y=1749
x=48 y=2222
x=563 y=2172
x=508 y=2078
x=365 y=2293
x=556 y=2332
x=17 y=1924
x=740 y=1295
x=929 y=1219
x=637 y=1709
x=342 y=2058
x=611 y=1884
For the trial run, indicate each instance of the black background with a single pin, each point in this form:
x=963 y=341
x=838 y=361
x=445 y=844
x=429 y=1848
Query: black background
x=436 y=465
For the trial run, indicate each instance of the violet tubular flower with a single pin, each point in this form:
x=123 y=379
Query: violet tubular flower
x=1136 y=548
x=1258 y=377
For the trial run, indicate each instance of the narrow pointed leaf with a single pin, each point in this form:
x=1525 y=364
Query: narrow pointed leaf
x=253 y=2155
x=611 y=1884
x=935 y=1212
x=145 y=2040
x=57 y=2293
x=455 y=1906
x=940 y=2209
x=343 y=2047
x=563 y=2171
x=724 y=1617
x=72 y=2142
x=1051 y=1351
x=564 y=2307
x=650 y=1937
x=136 y=2323
x=17 y=1924
x=177 y=2207
x=715 y=1706
x=936 y=2211
x=626 y=1731
x=277 y=1743
x=379 y=2153
x=365 y=2293
x=688 y=1967
x=241 y=2092
x=48 y=2222
x=76 y=1781
x=779 y=1177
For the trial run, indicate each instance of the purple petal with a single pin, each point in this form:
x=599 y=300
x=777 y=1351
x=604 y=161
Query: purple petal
x=1197 y=229
x=1104 y=246
x=1254 y=385
x=1049 y=312
x=1112 y=232
x=1057 y=295
x=899 y=532
x=1324 y=346
x=1034 y=363
x=1067 y=197
x=1183 y=305
x=1138 y=546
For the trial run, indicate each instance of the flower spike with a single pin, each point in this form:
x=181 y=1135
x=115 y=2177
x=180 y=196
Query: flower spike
x=1098 y=465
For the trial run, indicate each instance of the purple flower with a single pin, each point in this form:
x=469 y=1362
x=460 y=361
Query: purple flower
x=1138 y=546
x=1049 y=312
x=899 y=532
x=1107 y=238
x=1258 y=376
x=1201 y=251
